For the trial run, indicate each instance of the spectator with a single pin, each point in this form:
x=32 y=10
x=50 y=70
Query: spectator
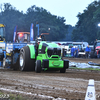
x=72 y=51
x=87 y=51
x=76 y=52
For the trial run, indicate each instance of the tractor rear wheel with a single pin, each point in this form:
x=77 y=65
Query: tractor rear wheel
x=38 y=66
x=25 y=62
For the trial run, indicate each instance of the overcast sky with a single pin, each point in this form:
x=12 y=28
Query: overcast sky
x=63 y=8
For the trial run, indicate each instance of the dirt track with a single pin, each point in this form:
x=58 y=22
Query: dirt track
x=71 y=85
x=83 y=60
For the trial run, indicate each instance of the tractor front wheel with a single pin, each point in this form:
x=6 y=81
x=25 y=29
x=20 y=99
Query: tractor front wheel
x=63 y=70
x=38 y=66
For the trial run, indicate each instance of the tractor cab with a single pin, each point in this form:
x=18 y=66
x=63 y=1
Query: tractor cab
x=2 y=32
x=23 y=37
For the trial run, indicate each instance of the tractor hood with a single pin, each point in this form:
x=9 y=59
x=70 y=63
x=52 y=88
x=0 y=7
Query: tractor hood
x=53 y=45
x=50 y=48
x=48 y=45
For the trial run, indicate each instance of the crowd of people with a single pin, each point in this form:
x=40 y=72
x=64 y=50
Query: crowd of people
x=75 y=51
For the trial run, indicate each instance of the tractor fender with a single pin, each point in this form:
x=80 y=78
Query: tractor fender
x=32 y=51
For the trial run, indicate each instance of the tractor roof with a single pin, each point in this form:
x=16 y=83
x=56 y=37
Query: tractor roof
x=23 y=32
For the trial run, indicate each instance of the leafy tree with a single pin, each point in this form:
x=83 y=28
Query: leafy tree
x=69 y=35
x=86 y=28
x=12 y=17
x=46 y=20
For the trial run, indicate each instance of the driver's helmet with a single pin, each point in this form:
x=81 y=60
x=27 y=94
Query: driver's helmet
x=39 y=39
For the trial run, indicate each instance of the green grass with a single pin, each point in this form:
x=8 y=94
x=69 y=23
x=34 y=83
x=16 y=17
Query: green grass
x=16 y=97
x=10 y=96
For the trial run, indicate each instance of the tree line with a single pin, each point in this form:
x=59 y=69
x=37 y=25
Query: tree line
x=12 y=17
x=86 y=29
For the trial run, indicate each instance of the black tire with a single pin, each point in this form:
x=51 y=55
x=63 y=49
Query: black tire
x=91 y=54
x=66 y=66
x=38 y=66
x=4 y=62
x=14 y=65
x=63 y=70
x=25 y=62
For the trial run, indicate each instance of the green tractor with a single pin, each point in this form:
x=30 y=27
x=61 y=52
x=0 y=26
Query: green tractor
x=42 y=56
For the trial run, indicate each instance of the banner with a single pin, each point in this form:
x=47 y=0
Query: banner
x=15 y=31
x=31 y=33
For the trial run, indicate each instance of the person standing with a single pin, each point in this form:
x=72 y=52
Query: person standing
x=87 y=51
x=76 y=52
x=72 y=51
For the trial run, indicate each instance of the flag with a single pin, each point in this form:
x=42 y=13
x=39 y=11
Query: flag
x=31 y=33
x=37 y=25
x=15 y=30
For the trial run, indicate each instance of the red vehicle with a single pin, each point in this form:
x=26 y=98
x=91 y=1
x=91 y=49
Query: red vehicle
x=98 y=50
x=95 y=50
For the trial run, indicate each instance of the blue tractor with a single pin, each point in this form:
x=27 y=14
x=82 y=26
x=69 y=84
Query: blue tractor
x=20 y=39
x=2 y=44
